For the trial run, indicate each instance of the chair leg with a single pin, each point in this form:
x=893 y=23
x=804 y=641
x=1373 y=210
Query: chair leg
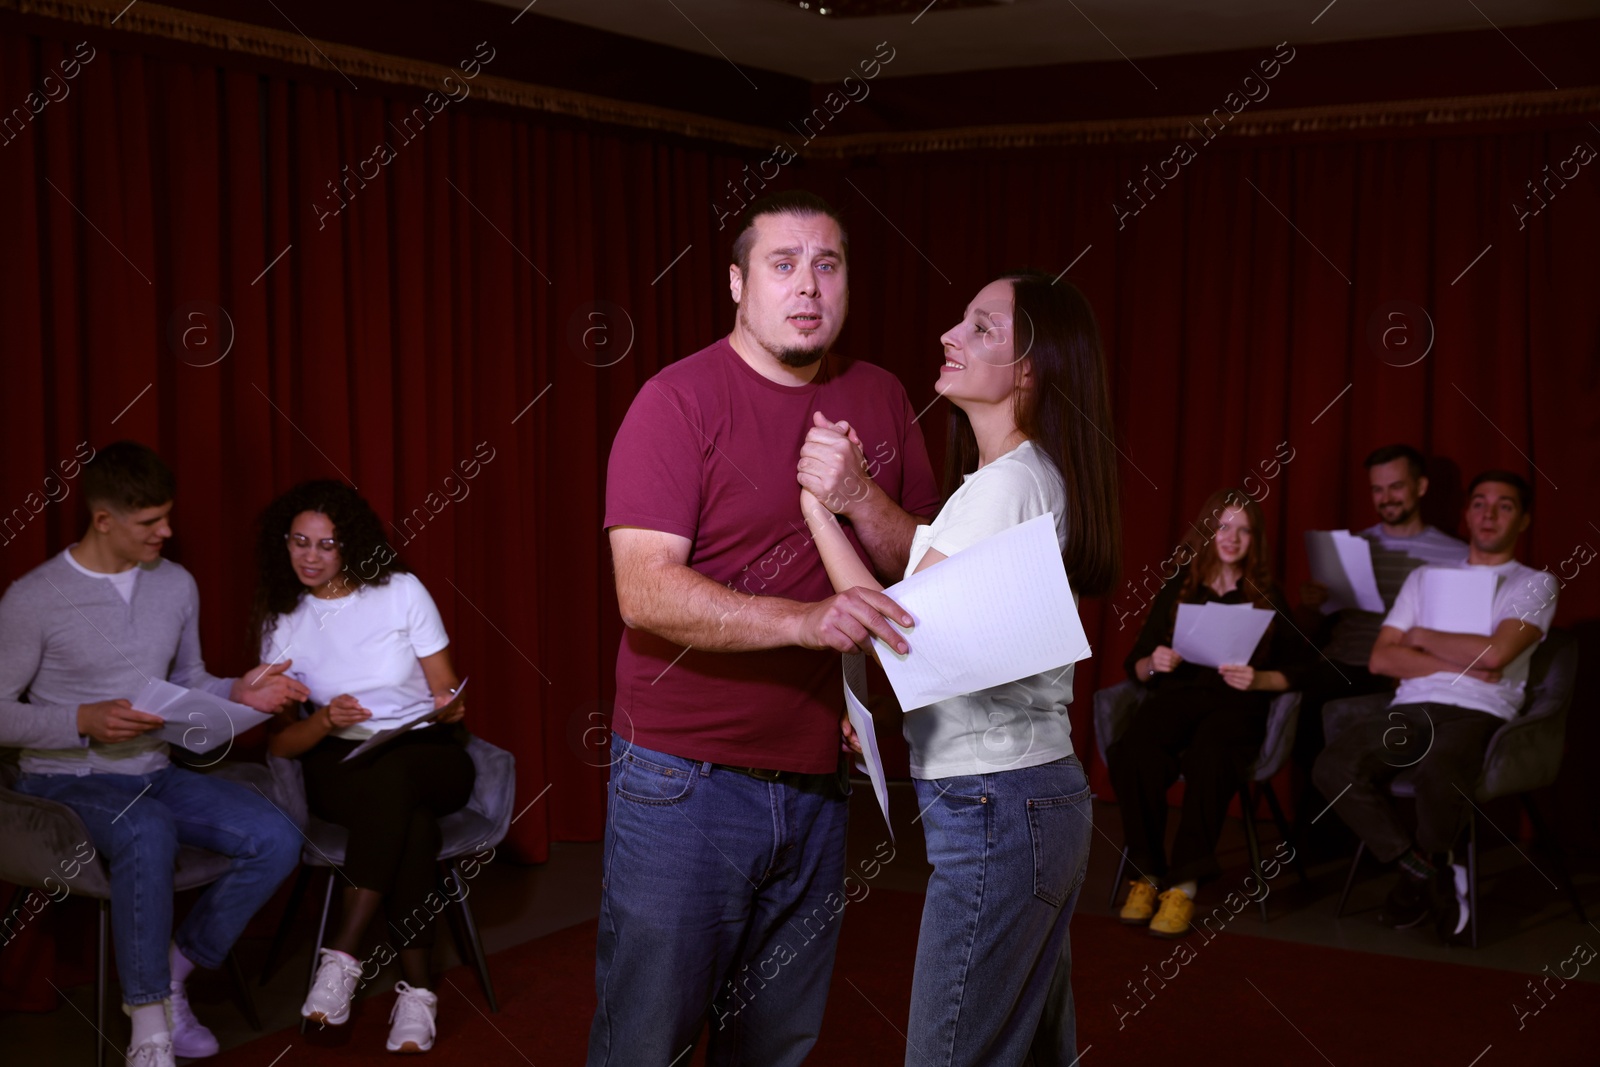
x=1472 y=873
x=1349 y=879
x=477 y=945
x=1557 y=855
x=316 y=949
x=291 y=908
x=242 y=988
x=102 y=962
x=1116 y=880
x=1247 y=805
x=1283 y=827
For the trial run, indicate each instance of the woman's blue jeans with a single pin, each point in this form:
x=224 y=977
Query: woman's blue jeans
x=993 y=981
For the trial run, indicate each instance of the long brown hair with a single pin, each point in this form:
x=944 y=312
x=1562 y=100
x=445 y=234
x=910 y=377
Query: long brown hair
x=1200 y=545
x=1068 y=417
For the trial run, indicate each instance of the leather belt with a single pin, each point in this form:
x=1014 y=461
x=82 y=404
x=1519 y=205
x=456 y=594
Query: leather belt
x=784 y=777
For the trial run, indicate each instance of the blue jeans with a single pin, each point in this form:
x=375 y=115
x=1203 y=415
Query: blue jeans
x=139 y=835
x=722 y=896
x=993 y=982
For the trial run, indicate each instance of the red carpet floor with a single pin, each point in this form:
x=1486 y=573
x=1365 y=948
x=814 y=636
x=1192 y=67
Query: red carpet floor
x=1233 y=1000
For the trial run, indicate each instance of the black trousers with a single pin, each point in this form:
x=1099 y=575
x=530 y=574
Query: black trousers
x=1210 y=734
x=1324 y=682
x=1439 y=747
x=391 y=800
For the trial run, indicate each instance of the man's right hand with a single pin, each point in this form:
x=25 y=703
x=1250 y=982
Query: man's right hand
x=110 y=721
x=847 y=621
x=344 y=710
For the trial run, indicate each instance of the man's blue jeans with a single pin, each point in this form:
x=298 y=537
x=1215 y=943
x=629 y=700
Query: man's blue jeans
x=136 y=823
x=724 y=895
x=993 y=983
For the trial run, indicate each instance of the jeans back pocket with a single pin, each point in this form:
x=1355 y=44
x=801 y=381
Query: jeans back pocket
x=1060 y=829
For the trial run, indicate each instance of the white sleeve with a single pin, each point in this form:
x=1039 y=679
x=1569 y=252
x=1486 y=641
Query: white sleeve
x=1531 y=598
x=1407 y=603
x=994 y=500
x=423 y=624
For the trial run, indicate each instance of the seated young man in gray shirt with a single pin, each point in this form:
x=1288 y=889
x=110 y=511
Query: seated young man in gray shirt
x=80 y=636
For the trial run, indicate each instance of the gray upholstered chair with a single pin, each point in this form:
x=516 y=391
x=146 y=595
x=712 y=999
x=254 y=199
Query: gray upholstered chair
x=481 y=824
x=40 y=833
x=1114 y=708
x=1523 y=755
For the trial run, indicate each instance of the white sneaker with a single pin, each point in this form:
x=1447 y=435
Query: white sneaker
x=1463 y=904
x=156 y=1052
x=411 y=1026
x=333 y=988
x=190 y=1038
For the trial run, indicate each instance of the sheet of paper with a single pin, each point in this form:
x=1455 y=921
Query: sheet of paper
x=996 y=612
x=196 y=720
x=1342 y=561
x=1458 y=601
x=1213 y=634
x=855 y=702
x=428 y=716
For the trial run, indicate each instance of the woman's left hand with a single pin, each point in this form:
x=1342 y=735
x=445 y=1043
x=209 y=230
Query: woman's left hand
x=441 y=699
x=1238 y=675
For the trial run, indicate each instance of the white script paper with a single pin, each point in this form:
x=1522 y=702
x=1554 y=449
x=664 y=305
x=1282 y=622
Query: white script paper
x=430 y=715
x=1458 y=601
x=991 y=614
x=855 y=702
x=1342 y=562
x=1214 y=634
x=196 y=720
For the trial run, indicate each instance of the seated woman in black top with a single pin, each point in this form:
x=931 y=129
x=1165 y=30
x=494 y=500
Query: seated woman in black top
x=1203 y=723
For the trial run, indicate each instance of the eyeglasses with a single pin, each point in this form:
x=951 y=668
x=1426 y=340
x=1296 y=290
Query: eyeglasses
x=302 y=542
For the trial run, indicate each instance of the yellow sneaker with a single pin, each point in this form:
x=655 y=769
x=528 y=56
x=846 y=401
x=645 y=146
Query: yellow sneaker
x=1141 y=903
x=1173 y=918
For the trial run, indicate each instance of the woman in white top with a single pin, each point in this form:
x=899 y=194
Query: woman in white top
x=1005 y=803
x=367 y=641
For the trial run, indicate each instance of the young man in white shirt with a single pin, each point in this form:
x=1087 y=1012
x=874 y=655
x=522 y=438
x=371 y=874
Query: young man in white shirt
x=1397 y=477
x=1456 y=690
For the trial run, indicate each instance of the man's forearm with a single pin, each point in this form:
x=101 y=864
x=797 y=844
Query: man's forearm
x=1399 y=661
x=1460 y=650
x=684 y=606
x=885 y=530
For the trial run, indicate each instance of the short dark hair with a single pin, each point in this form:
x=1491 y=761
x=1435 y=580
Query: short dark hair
x=1515 y=481
x=788 y=202
x=1390 y=453
x=126 y=476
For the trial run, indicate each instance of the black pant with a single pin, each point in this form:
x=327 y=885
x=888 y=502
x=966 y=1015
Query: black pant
x=1211 y=734
x=391 y=800
x=1357 y=766
x=1324 y=682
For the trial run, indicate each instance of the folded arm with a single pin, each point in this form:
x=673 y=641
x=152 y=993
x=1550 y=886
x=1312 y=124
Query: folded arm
x=1495 y=652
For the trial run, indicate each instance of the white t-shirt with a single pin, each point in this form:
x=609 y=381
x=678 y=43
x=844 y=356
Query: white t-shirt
x=368 y=644
x=1520 y=593
x=123 y=581
x=1393 y=560
x=1022 y=723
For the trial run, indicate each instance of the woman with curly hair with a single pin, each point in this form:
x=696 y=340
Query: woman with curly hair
x=1204 y=723
x=368 y=642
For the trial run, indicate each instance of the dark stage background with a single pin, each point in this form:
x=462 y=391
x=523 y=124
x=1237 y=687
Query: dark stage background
x=442 y=315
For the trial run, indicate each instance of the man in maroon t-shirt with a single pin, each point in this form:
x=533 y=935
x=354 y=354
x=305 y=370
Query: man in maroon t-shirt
x=725 y=836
